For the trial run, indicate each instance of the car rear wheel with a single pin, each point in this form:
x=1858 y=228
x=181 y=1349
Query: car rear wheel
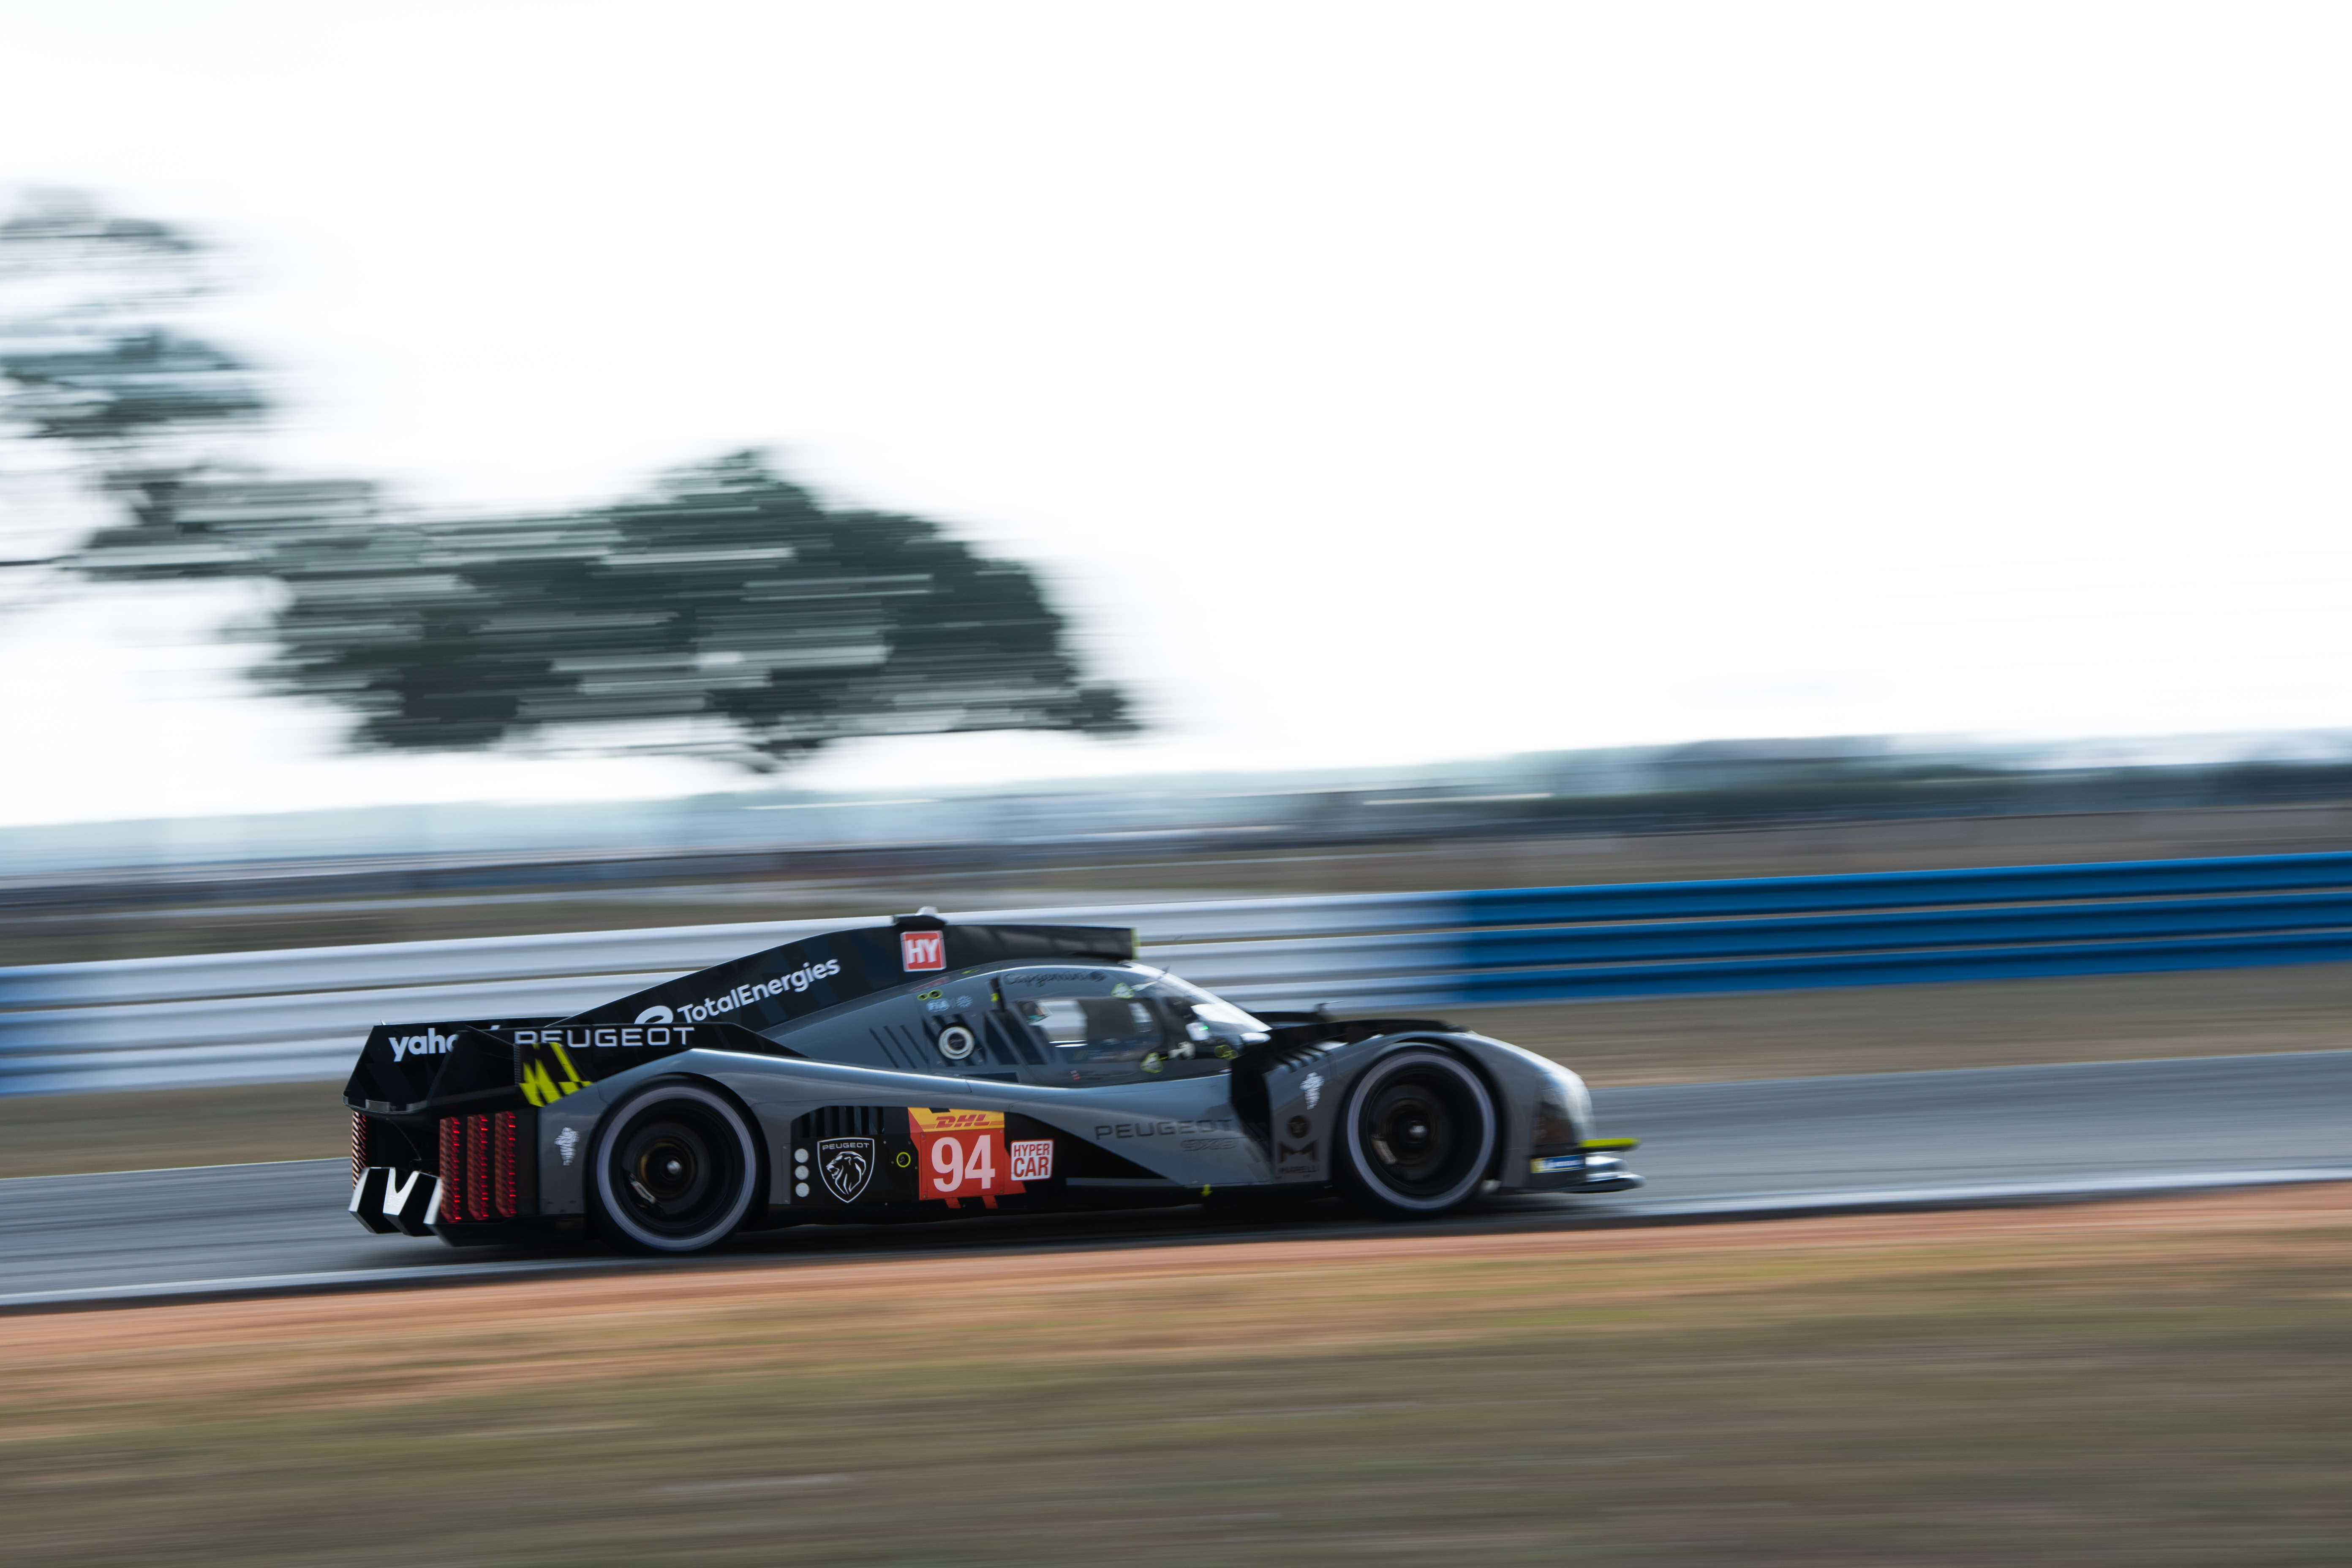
x=675 y=1170
x=1418 y=1136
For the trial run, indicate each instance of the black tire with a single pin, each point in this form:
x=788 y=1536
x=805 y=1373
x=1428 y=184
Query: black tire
x=676 y=1171
x=1417 y=1136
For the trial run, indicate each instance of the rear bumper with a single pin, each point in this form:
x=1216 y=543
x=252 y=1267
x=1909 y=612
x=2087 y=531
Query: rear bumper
x=392 y=1202
x=457 y=1177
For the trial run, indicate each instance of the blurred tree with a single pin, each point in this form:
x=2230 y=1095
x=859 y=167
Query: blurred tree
x=729 y=613
x=90 y=358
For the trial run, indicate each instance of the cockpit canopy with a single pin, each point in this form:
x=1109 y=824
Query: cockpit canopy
x=1134 y=1015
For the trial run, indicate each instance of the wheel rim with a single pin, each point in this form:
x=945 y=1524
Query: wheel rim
x=669 y=1170
x=676 y=1171
x=1425 y=1129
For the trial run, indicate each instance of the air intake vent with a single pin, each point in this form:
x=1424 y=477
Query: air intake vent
x=847 y=1121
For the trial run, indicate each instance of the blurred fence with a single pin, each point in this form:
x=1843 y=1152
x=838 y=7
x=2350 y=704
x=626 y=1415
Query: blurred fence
x=302 y=1013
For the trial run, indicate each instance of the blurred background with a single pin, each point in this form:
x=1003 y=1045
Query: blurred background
x=557 y=405
x=470 y=475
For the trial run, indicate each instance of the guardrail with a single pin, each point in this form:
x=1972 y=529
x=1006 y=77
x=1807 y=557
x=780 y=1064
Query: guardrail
x=301 y=1013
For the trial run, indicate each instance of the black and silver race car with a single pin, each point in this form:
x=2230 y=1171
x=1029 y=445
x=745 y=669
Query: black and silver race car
x=893 y=1072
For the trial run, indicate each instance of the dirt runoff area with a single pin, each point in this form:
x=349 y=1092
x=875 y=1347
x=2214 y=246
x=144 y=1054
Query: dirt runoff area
x=2103 y=1384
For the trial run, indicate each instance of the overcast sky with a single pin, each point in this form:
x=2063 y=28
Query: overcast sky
x=1373 y=383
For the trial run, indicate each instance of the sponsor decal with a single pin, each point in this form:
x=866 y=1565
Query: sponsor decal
x=961 y=1154
x=1549 y=1165
x=1202 y=1145
x=1122 y=991
x=847 y=1164
x=751 y=991
x=1313 y=1085
x=1037 y=979
x=935 y=1006
x=622 y=1036
x=431 y=1043
x=1032 y=1160
x=936 y=1120
x=919 y=950
x=1300 y=1160
x=963 y=1001
x=649 y=1031
x=1109 y=1129
x=1296 y=1127
x=569 y=1142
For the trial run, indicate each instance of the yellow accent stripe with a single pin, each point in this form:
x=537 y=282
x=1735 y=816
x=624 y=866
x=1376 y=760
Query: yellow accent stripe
x=542 y=1088
x=1601 y=1145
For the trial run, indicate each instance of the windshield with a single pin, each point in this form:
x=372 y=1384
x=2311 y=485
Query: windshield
x=1207 y=1017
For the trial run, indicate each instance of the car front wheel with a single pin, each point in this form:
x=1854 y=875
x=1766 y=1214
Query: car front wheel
x=675 y=1170
x=1418 y=1136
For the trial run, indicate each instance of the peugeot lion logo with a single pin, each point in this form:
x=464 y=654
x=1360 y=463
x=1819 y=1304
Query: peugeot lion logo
x=847 y=1164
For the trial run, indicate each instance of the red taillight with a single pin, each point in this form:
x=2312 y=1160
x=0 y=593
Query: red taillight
x=481 y=1173
x=359 y=1147
x=453 y=1169
x=478 y=1167
x=502 y=1164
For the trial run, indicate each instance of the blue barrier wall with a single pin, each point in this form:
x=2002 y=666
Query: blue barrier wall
x=1531 y=944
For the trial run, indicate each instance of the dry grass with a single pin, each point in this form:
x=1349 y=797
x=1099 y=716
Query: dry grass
x=2122 y=1384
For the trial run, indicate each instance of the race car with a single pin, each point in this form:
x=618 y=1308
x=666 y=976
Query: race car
x=924 y=1068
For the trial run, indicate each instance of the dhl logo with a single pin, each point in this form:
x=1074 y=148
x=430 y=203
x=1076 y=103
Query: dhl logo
x=955 y=1120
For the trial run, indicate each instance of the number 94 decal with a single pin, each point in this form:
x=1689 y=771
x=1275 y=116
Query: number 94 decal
x=963 y=1154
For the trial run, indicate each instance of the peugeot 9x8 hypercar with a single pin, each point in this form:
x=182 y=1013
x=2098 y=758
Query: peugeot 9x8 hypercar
x=886 y=1071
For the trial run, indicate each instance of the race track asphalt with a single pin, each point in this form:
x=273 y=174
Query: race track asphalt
x=1719 y=1150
